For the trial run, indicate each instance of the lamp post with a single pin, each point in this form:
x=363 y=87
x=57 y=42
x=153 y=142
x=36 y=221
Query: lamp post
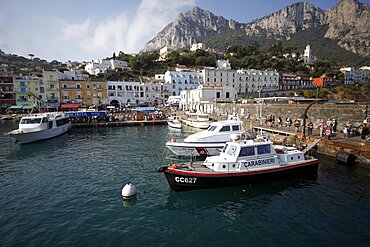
x=260 y=104
x=1 y=101
x=304 y=117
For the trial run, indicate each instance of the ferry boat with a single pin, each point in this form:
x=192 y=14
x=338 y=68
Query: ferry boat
x=174 y=122
x=40 y=126
x=240 y=162
x=207 y=142
x=197 y=120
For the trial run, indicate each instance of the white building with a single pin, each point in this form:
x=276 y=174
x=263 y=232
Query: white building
x=101 y=66
x=223 y=64
x=365 y=74
x=308 y=57
x=205 y=96
x=159 y=77
x=182 y=79
x=75 y=75
x=120 y=93
x=155 y=93
x=164 y=52
x=251 y=81
x=197 y=46
x=356 y=76
x=243 y=81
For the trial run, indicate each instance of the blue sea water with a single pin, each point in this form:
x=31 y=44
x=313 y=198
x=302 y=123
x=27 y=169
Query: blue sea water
x=66 y=192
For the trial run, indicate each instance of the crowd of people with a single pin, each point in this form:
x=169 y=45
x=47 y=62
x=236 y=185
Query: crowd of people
x=118 y=117
x=325 y=128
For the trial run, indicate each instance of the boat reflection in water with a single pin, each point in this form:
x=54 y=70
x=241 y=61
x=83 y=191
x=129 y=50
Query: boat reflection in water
x=237 y=197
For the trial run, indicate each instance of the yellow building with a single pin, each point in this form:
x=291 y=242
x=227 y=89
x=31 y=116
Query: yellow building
x=84 y=93
x=27 y=90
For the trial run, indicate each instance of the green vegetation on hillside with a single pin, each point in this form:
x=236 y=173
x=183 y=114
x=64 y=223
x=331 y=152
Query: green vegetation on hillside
x=276 y=56
x=323 y=48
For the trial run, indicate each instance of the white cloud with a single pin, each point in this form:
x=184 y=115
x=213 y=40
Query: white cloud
x=152 y=16
x=125 y=32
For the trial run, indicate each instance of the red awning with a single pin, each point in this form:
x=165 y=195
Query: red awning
x=70 y=106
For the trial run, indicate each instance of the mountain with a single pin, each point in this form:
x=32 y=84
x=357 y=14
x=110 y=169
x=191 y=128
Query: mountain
x=188 y=28
x=346 y=25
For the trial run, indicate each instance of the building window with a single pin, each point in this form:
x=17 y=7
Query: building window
x=227 y=95
x=218 y=95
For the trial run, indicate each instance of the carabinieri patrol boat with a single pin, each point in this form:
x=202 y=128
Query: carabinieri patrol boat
x=240 y=162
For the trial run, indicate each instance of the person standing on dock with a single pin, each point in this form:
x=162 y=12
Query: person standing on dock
x=349 y=129
x=321 y=128
x=309 y=128
x=364 y=133
x=345 y=132
x=335 y=125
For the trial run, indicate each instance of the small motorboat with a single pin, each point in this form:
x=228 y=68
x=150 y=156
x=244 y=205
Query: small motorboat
x=207 y=142
x=174 y=122
x=36 y=127
x=197 y=120
x=240 y=162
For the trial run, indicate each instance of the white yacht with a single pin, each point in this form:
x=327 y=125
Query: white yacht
x=40 y=126
x=207 y=142
x=240 y=162
x=197 y=120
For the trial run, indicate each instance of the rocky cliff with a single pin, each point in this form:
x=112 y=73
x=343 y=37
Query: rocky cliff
x=188 y=28
x=348 y=24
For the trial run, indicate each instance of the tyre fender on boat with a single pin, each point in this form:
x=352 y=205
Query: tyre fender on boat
x=162 y=169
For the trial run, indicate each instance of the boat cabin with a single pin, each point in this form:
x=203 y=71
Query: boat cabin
x=252 y=154
x=225 y=126
x=218 y=132
x=43 y=121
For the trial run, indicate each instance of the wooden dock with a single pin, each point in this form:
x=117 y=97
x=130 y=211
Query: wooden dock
x=273 y=131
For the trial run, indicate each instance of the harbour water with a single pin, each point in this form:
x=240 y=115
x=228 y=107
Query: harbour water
x=66 y=192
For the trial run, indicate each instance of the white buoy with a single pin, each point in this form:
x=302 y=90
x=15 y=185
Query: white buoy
x=128 y=191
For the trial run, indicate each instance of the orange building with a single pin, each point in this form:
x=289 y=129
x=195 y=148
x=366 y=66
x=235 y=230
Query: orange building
x=323 y=81
x=84 y=93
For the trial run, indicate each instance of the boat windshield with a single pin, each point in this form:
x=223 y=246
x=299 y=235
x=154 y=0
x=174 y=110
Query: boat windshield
x=31 y=120
x=211 y=128
x=224 y=149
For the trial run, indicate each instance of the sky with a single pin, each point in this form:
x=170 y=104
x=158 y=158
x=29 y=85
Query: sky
x=81 y=30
